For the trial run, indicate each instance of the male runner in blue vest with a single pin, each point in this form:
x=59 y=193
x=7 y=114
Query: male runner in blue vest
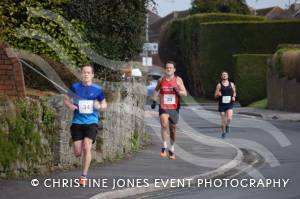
x=85 y=100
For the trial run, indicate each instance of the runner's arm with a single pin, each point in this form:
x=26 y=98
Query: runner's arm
x=100 y=105
x=69 y=104
x=100 y=102
x=234 y=91
x=181 y=88
x=218 y=91
x=156 y=90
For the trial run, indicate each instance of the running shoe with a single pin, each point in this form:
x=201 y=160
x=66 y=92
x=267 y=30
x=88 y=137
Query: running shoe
x=163 y=152
x=223 y=135
x=227 y=129
x=172 y=155
x=83 y=181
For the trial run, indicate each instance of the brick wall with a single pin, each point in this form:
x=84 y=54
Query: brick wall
x=11 y=73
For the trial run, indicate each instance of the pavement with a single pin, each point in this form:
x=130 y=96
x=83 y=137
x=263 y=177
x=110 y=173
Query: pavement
x=270 y=114
x=266 y=114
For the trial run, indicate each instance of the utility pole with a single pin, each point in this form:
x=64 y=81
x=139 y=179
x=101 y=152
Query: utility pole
x=255 y=7
x=145 y=47
x=147 y=27
x=173 y=3
x=147 y=61
x=146 y=38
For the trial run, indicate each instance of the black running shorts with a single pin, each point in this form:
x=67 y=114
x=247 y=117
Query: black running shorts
x=225 y=107
x=80 y=131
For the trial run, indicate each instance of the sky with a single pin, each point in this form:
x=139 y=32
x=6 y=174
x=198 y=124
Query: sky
x=164 y=7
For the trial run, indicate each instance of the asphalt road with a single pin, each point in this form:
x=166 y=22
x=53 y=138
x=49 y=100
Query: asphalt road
x=276 y=142
x=280 y=149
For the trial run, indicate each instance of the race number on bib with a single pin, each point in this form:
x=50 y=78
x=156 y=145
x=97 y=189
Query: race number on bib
x=169 y=99
x=86 y=106
x=226 y=99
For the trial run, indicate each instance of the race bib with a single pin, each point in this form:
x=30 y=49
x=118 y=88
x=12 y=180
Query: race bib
x=86 y=106
x=226 y=99
x=169 y=99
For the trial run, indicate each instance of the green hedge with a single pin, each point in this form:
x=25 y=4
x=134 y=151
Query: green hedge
x=181 y=42
x=250 y=77
x=219 y=41
x=203 y=45
x=213 y=17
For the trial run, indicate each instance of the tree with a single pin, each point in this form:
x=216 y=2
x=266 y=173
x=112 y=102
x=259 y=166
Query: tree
x=116 y=28
x=22 y=30
x=225 y=6
x=113 y=28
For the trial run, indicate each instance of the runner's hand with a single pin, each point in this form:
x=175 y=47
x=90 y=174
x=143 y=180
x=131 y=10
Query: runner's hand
x=233 y=99
x=153 y=105
x=176 y=90
x=97 y=105
x=73 y=108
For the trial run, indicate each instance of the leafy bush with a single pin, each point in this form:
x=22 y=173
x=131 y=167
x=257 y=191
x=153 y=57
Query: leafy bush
x=286 y=62
x=116 y=28
x=39 y=34
x=229 y=6
x=112 y=28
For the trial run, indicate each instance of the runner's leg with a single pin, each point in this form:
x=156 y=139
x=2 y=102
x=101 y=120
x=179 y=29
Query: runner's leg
x=172 y=140
x=223 y=123
x=172 y=134
x=77 y=148
x=87 y=154
x=164 y=122
x=229 y=114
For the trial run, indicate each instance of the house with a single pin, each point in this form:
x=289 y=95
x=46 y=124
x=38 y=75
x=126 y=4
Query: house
x=264 y=11
x=158 y=25
x=278 y=13
x=297 y=15
x=156 y=29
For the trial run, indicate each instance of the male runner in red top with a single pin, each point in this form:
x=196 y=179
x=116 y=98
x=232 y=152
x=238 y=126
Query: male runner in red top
x=169 y=87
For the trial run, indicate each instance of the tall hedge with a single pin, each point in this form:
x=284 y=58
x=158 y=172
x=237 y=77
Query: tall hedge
x=250 y=72
x=220 y=40
x=203 y=45
x=181 y=43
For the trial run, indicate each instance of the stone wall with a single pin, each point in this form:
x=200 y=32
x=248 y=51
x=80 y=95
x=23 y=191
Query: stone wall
x=283 y=93
x=27 y=136
x=124 y=116
x=121 y=130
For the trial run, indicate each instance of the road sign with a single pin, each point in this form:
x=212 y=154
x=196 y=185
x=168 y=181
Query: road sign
x=147 y=61
x=151 y=46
